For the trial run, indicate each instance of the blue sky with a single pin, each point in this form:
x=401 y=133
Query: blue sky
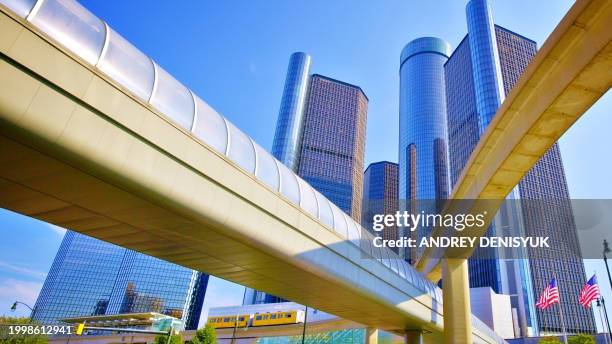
x=234 y=55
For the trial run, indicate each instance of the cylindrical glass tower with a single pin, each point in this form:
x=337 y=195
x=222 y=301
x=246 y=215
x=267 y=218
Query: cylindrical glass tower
x=512 y=276
x=289 y=126
x=486 y=68
x=423 y=146
x=422 y=136
x=288 y=136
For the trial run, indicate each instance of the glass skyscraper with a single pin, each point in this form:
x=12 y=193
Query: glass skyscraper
x=80 y=280
x=287 y=139
x=92 y=277
x=320 y=134
x=380 y=195
x=480 y=72
x=505 y=276
x=488 y=87
x=288 y=136
x=423 y=156
x=333 y=142
x=422 y=140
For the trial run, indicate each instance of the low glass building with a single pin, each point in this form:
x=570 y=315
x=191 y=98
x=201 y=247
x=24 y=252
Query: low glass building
x=90 y=277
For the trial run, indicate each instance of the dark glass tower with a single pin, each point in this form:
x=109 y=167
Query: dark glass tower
x=479 y=74
x=380 y=195
x=92 y=277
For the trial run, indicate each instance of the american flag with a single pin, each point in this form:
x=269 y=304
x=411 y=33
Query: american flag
x=549 y=296
x=589 y=293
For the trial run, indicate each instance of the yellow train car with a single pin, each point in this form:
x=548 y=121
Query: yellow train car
x=278 y=318
x=229 y=321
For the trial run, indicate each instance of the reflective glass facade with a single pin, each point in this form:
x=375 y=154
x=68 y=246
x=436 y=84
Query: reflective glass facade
x=380 y=195
x=463 y=132
x=331 y=337
x=346 y=336
x=333 y=144
x=92 y=277
x=80 y=280
x=287 y=138
x=422 y=116
x=488 y=86
x=147 y=284
x=256 y=297
x=423 y=156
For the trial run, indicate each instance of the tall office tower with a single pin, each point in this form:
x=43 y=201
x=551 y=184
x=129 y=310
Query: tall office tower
x=320 y=134
x=287 y=139
x=510 y=277
x=481 y=71
x=92 y=277
x=380 y=196
x=423 y=156
x=333 y=142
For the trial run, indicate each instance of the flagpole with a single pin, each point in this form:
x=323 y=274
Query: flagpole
x=603 y=322
x=604 y=317
x=561 y=310
x=603 y=303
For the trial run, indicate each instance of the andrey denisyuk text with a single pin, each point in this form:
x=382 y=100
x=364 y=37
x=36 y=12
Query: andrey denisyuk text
x=458 y=222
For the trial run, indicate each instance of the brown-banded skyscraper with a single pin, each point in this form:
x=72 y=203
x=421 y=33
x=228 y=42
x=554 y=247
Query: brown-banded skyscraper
x=333 y=143
x=478 y=75
x=320 y=134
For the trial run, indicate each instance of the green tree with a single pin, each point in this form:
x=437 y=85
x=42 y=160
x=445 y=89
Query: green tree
x=549 y=340
x=581 y=339
x=7 y=338
x=174 y=339
x=205 y=335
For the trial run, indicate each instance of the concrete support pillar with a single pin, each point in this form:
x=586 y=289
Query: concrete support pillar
x=371 y=335
x=456 y=296
x=413 y=337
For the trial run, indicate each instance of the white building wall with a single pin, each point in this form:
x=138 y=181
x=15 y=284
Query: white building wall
x=494 y=310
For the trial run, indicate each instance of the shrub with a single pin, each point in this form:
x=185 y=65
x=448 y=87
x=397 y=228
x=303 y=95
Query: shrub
x=205 y=335
x=549 y=340
x=581 y=339
x=174 y=339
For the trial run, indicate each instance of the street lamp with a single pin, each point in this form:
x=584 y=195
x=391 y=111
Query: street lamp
x=605 y=313
x=607 y=250
x=304 y=328
x=14 y=308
